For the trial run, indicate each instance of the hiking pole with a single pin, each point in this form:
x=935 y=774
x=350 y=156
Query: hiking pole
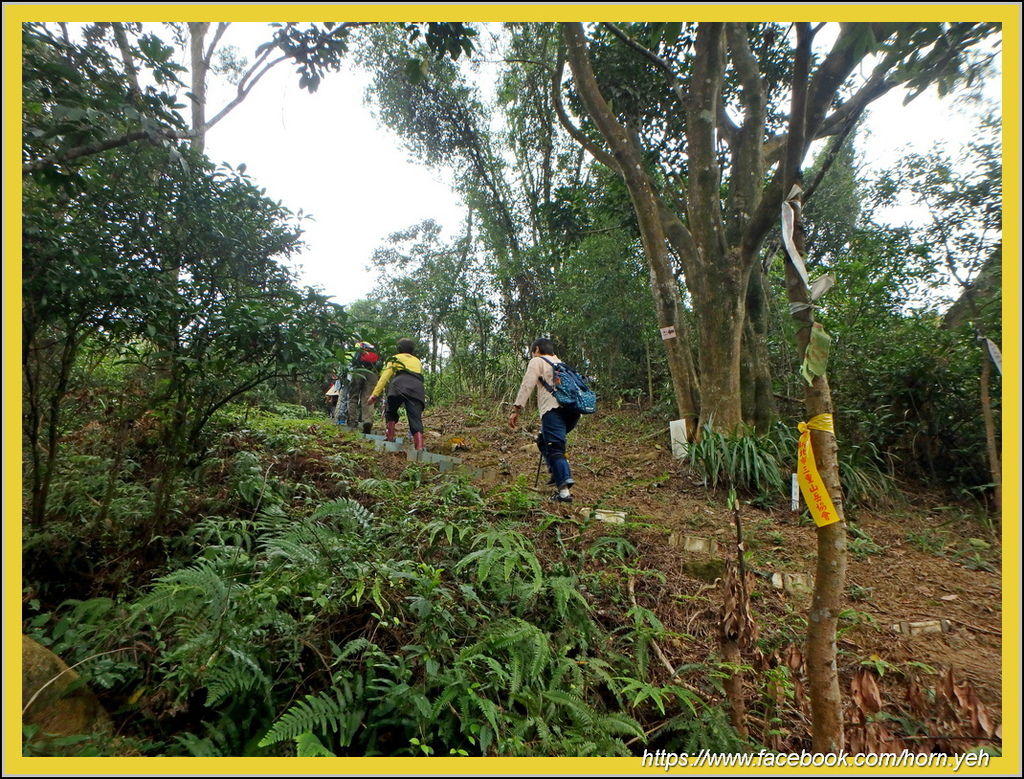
x=540 y=459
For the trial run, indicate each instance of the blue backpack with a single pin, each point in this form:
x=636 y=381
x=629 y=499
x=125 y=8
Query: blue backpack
x=570 y=389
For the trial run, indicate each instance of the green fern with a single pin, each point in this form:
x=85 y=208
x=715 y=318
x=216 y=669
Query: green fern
x=331 y=711
x=308 y=745
x=504 y=552
x=236 y=673
x=351 y=514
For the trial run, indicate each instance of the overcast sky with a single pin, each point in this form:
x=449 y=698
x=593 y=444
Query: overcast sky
x=325 y=154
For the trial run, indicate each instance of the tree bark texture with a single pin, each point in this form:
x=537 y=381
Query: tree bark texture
x=990 y=429
x=197 y=37
x=830 y=572
x=629 y=164
x=757 y=396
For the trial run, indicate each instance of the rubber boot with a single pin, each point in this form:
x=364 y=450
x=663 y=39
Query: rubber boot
x=367 y=428
x=389 y=433
x=417 y=441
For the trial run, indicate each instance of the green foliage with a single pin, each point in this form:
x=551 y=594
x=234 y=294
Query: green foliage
x=860 y=544
x=928 y=541
x=742 y=461
x=460 y=637
x=975 y=554
x=864 y=479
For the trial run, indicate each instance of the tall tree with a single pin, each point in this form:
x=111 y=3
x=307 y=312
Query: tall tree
x=724 y=144
x=729 y=197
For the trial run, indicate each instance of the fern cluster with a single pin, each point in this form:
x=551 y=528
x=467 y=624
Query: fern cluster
x=429 y=624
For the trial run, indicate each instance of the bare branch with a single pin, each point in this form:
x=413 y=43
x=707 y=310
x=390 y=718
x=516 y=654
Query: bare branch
x=221 y=28
x=241 y=95
x=129 y=62
x=663 y=65
x=830 y=157
x=256 y=64
x=599 y=154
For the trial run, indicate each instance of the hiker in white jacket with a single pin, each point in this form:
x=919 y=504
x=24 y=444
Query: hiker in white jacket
x=555 y=422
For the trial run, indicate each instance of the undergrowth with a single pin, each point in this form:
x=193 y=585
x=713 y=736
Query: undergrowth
x=356 y=614
x=759 y=466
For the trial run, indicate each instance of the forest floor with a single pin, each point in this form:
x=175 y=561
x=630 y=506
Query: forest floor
x=916 y=560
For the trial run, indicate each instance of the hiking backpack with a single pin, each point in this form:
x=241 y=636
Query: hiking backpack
x=570 y=389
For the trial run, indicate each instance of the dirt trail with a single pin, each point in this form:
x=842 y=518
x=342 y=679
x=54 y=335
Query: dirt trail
x=917 y=561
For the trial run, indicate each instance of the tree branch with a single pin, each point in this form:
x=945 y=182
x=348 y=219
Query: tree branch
x=670 y=74
x=705 y=176
x=243 y=92
x=830 y=157
x=748 y=165
x=578 y=135
x=129 y=62
x=221 y=28
x=93 y=148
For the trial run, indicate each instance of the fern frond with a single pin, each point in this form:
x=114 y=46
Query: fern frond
x=308 y=745
x=236 y=673
x=351 y=513
x=327 y=711
x=360 y=644
x=621 y=724
x=575 y=706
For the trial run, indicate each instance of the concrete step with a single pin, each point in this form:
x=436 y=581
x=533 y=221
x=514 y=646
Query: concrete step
x=381 y=439
x=444 y=463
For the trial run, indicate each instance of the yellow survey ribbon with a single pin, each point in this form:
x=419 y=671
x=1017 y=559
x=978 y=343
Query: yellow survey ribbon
x=811 y=485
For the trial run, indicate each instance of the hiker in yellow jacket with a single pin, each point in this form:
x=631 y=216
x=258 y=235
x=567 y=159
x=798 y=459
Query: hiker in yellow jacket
x=403 y=377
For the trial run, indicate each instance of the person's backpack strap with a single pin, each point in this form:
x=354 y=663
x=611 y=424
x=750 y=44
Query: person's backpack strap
x=399 y=367
x=554 y=370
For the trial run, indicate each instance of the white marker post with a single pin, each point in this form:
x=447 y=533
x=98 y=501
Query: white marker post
x=677 y=435
x=794 y=505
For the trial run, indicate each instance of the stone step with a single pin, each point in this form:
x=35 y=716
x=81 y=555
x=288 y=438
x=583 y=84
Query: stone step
x=604 y=515
x=792 y=583
x=927 y=626
x=381 y=439
x=445 y=464
x=696 y=544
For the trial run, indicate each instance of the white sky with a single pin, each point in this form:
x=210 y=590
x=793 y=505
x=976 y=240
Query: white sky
x=323 y=153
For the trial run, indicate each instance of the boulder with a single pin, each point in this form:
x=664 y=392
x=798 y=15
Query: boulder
x=61 y=704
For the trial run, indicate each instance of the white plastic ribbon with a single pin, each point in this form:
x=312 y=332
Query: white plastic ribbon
x=788 y=225
x=996 y=355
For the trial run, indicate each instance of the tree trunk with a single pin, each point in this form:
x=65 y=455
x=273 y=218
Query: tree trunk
x=626 y=160
x=718 y=294
x=829 y=586
x=42 y=479
x=990 y=429
x=197 y=37
x=757 y=396
x=830 y=573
